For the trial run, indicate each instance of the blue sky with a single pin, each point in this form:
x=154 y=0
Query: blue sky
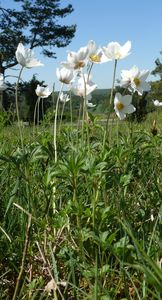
x=104 y=21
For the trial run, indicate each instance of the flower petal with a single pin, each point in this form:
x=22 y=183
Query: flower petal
x=125 y=49
x=126 y=100
x=129 y=109
x=117 y=98
x=120 y=115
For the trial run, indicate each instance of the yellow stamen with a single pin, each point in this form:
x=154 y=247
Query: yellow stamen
x=95 y=58
x=119 y=105
x=137 y=81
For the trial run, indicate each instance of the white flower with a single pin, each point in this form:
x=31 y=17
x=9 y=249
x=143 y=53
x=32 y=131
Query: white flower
x=3 y=86
x=76 y=60
x=115 y=51
x=95 y=54
x=157 y=103
x=135 y=80
x=64 y=98
x=25 y=57
x=64 y=75
x=42 y=91
x=123 y=106
x=84 y=86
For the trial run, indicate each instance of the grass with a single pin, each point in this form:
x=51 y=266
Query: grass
x=87 y=226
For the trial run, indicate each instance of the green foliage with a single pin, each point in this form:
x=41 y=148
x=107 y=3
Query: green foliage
x=156 y=90
x=5 y=118
x=158 y=68
x=96 y=213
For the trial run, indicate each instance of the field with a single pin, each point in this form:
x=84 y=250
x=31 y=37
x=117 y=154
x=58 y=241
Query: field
x=87 y=223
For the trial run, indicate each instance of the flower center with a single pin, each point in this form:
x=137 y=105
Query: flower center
x=95 y=58
x=64 y=80
x=137 y=81
x=117 y=55
x=79 y=64
x=119 y=105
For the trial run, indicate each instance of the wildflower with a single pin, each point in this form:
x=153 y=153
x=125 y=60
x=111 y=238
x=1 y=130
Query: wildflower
x=76 y=60
x=25 y=57
x=114 y=51
x=95 y=54
x=64 y=75
x=64 y=98
x=42 y=91
x=157 y=103
x=123 y=106
x=135 y=80
x=84 y=86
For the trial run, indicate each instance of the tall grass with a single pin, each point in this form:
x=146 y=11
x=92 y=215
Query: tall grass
x=84 y=226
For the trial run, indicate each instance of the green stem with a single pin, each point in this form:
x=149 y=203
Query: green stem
x=111 y=102
x=113 y=84
x=17 y=106
x=90 y=69
x=79 y=119
x=55 y=123
x=35 y=109
x=61 y=117
x=71 y=113
x=42 y=109
x=85 y=113
x=84 y=101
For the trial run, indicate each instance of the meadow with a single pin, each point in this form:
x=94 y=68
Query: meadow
x=87 y=226
x=81 y=210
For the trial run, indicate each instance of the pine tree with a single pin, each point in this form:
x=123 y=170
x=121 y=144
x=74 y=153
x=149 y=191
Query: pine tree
x=35 y=24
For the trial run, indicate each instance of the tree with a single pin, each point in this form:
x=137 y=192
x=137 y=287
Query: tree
x=35 y=25
x=156 y=90
x=156 y=86
x=158 y=68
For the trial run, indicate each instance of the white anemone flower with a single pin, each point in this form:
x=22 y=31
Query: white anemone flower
x=25 y=57
x=123 y=106
x=43 y=92
x=64 y=97
x=83 y=91
x=84 y=86
x=3 y=86
x=135 y=80
x=64 y=75
x=76 y=60
x=157 y=103
x=95 y=54
x=114 y=51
